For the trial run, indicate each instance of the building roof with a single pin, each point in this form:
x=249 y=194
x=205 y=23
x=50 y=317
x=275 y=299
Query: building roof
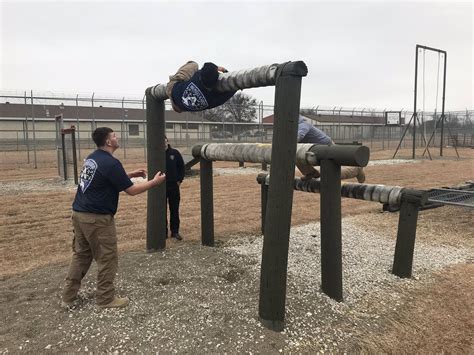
x=11 y=110
x=338 y=119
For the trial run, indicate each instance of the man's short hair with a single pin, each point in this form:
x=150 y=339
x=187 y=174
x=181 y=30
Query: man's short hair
x=100 y=135
x=209 y=75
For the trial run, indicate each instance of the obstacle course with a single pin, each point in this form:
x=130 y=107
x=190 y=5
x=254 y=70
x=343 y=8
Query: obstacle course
x=277 y=196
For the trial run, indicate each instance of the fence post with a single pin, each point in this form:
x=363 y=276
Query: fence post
x=78 y=128
x=27 y=139
x=59 y=126
x=35 y=163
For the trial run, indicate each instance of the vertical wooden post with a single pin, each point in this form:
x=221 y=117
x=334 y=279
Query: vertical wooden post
x=331 y=239
x=280 y=197
x=156 y=198
x=264 y=198
x=405 y=246
x=74 y=154
x=63 y=144
x=207 y=204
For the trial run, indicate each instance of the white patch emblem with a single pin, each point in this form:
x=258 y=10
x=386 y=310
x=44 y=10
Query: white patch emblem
x=87 y=174
x=193 y=98
x=172 y=157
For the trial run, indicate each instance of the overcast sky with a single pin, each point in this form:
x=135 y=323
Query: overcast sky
x=359 y=54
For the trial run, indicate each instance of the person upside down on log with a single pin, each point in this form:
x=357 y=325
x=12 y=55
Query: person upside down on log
x=193 y=89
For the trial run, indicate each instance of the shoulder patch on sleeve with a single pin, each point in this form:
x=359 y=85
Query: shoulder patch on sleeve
x=87 y=174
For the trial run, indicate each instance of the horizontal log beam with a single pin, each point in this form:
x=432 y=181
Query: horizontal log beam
x=348 y=155
x=245 y=79
x=392 y=195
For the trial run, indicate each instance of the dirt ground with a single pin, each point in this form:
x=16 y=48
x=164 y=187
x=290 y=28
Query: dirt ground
x=434 y=313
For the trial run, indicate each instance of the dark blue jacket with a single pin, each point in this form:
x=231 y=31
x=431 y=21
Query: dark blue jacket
x=192 y=95
x=174 y=165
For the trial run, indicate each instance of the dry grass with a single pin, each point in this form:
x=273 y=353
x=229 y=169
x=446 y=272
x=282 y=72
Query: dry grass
x=437 y=319
x=35 y=230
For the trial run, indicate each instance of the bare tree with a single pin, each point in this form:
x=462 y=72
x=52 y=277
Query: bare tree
x=240 y=108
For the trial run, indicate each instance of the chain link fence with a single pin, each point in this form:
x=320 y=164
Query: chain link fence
x=29 y=131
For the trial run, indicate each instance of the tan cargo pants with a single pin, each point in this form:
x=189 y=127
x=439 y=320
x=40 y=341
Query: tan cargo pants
x=94 y=238
x=184 y=73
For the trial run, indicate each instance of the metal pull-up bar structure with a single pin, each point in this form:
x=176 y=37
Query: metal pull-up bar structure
x=414 y=117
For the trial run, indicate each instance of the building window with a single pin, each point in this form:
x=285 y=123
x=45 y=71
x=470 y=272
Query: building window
x=189 y=126
x=169 y=126
x=133 y=129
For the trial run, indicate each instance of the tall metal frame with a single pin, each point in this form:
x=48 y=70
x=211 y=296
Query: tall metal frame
x=414 y=117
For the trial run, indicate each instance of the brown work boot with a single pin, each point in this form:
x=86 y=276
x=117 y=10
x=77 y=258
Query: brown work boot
x=117 y=302
x=70 y=304
x=361 y=175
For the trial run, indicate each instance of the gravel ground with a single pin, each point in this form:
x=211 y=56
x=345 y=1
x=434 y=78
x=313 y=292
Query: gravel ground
x=252 y=170
x=393 y=162
x=194 y=299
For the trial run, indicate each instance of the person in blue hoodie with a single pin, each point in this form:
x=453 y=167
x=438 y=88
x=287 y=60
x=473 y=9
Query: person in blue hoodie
x=193 y=89
x=174 y=178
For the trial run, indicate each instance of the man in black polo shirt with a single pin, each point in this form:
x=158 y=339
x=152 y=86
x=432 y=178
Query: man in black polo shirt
x=174 y=178
x=102 y=179
x=191 y=89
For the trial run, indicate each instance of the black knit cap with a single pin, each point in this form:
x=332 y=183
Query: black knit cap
x=209 y=75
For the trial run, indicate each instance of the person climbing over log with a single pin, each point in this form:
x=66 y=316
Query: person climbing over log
x=307 y=133
x=193 y=89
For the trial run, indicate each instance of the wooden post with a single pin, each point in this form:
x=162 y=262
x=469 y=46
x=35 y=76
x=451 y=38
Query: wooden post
x=74 y=154
x=63 y=143
x=331 y=239
x=408 y=220
x=264 y=198
x=405 y=246
x=156 y=198
x=207 y=204
x=280 y=197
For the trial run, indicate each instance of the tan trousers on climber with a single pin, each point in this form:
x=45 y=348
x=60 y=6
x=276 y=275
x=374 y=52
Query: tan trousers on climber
x=347 y=172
